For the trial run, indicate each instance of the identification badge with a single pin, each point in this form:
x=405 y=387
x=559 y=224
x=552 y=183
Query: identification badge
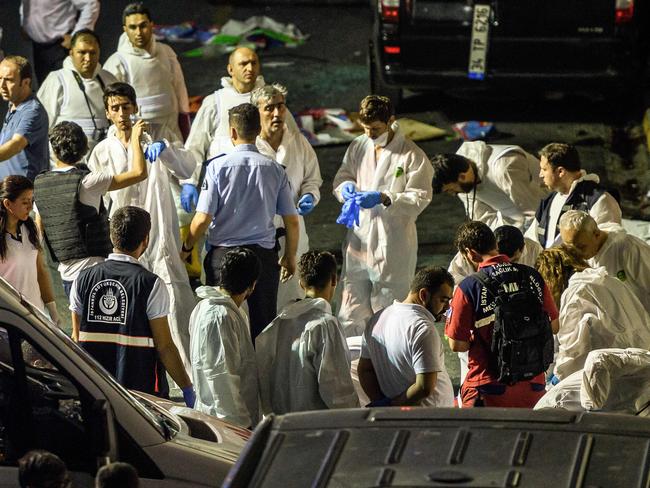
x=479 y=44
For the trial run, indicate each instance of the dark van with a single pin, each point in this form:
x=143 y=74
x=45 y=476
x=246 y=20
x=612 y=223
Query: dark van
x=536 y=44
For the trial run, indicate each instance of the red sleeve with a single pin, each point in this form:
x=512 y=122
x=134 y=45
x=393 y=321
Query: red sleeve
x=549 y=304
x=460 y=318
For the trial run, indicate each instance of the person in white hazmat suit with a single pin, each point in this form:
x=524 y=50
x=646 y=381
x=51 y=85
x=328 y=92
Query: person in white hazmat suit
x=597 y=311
x=497 y=184
x=75 y=92
x=624 y=256
x=303 y=360
x=210 y=134
x=390 y=179
x=292 y=150
x=224 y=371
x=113 y=156
x=153 y=70
x=572 y=189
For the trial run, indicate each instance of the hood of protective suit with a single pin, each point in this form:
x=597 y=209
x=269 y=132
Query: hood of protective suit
x=226 y=82
x=68 y=64
x=300 y=307
x=124 y=46
x=482 y=154
x=589 y=275
x=216 y=297
x=616 y=380
x=585 y=177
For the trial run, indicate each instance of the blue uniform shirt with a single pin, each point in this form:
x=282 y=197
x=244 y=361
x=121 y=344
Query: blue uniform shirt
x=243 y=191
x=30 y=121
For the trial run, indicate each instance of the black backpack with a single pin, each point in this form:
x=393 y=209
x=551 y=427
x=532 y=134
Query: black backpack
x=522 y=339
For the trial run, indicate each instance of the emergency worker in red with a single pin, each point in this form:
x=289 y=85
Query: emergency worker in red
x=470 y=321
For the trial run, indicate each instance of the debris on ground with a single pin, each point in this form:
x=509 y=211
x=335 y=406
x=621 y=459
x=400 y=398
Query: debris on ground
x=473 y=130
x=419 y=131
x=327 y=126
x=257 y=32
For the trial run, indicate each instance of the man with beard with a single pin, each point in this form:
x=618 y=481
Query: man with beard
x=402 y=360
x=498 y=185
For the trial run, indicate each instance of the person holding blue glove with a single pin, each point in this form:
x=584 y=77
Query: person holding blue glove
x=389 y=178
x=286 y=145
x=170 y=161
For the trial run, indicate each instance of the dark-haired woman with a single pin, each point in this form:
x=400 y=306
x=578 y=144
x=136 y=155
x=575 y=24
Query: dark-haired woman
x=21 y=258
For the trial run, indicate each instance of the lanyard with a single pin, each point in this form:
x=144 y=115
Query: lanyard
x=83 y=90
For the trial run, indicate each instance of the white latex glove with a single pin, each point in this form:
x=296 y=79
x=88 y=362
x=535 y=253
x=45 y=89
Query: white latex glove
x=54 y=314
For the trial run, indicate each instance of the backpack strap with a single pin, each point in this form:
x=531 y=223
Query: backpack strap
x=487 y=282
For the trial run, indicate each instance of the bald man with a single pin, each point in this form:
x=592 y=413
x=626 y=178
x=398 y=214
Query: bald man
x=209 y=135
x=624 y=256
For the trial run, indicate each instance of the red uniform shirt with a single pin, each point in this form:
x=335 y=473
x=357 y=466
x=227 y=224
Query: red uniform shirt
x=472 y=313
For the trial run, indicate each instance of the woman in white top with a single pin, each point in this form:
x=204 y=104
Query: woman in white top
x=597 y=311
x=21 y=258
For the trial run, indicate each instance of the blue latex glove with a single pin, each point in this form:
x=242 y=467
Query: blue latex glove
x=306 y=204
x=554 y=380
x=368 y=199
x=154 y=150
x=189 y=396
x=349 y=214
x=382 y=402
x=348 y=191
x=189 y=197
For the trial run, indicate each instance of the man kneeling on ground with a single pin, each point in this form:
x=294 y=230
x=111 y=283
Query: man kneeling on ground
x=402 y=360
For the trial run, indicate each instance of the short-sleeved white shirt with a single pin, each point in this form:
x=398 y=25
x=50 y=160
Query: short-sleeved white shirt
x=93 y=187
x=401 y=341
x=19 y=268
x=158 y=304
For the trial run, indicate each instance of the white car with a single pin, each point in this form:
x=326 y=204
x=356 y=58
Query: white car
x=54 y=396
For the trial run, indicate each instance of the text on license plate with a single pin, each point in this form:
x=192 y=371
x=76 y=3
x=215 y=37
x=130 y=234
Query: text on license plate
x=479 y=44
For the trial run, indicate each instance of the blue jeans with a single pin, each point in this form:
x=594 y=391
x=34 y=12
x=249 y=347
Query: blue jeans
x=67 y=286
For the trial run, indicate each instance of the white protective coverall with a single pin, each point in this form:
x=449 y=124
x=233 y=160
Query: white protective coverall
x=63 y=99
x=303 y=360
x=597 y=311
x=162 y=257
x=210 y=132
x=460 y=268
x=605 y=211
x=158 y=82
x=301 y=164
x=627 y=258
x=613 y=380
x=223 y=360
x=510 y=189
x=380 y=255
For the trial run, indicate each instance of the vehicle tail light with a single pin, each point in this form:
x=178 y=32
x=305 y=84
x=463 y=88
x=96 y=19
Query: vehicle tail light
x=390 y=11
x=624 y=11
x=392 y=49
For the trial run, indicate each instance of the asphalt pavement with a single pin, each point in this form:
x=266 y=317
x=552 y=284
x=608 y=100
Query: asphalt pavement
x=330 y=70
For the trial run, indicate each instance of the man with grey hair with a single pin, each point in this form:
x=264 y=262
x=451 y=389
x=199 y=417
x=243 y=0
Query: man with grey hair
x=290 y=148
x=623 y=255
x=210 y=134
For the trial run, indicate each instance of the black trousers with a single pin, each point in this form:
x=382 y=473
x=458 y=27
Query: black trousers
x=262 y=304
x=48 y=57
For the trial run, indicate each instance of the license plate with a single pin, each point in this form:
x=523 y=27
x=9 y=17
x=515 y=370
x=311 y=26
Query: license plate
x=479 y=44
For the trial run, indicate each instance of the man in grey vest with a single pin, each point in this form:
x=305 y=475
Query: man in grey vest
x=69 y=207
x=75 y=92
